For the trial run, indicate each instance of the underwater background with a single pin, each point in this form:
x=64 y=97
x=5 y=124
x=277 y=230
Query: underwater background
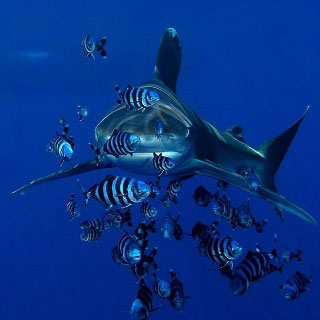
x=253 y=63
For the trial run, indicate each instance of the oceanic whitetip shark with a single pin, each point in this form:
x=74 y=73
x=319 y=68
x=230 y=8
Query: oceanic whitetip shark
x=197 y=147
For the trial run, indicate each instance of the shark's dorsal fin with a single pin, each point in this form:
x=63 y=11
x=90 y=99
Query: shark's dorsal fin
x=236 y=132
x=168 y=61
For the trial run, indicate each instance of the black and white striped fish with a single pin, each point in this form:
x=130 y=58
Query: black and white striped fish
x=201 y=231
x=148 y=211
x=83 y=112
x=202 y=196
x=142 y=232
x=177 y=296
x=137 y=98
x=116 y=219
x=89 y=46
x=90 y=234
x=222 y=250
x=243 y=218
x=255 y=266
x=161 y=288
x=173 y=188
x=114 y=190
x=170 y=227
x=72 y=207
x=142 y=268
x=162 y=163
x=119 y=144
x=158 y=129
x=62 y=145
x=142 y=304
x=129 y=249
x=93 y=223
x=295 y=285
x=288 y=256
x=222 y=207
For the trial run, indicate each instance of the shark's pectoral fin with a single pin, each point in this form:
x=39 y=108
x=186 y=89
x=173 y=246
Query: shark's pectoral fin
x=77 y=169
x=210 y=169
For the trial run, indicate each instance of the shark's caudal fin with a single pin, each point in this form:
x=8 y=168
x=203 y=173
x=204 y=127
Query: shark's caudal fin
x=77 y=169
x=169 y=59
x=274 y=151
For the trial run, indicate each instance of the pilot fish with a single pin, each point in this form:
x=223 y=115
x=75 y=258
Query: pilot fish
x=148 y=211
x=72 y=207
x=83 y=112
x=62 y=145
x=142 y=304
x=128 y=250
x=114 y=190
x=255 y=266
x=161 y=288
x=89 y=46
x=295 y=285
x=170 y=227
x=220 y=250
x=177 y=296
x=162 y=163
x=137 y=98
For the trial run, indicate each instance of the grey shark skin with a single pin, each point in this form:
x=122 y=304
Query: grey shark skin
x=197 y=147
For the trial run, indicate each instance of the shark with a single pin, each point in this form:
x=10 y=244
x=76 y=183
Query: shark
x=196 y=146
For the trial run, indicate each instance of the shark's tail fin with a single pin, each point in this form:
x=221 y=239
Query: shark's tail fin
x=274 y=151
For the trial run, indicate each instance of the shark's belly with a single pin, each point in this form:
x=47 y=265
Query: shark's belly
x=141 y=163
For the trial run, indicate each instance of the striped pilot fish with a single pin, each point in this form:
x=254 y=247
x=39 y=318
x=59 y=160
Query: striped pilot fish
x=89 y=46
x=173 y=188
x=295 y=285
x=255 y=266
x=161 y=288
x=158 y=129
x=177 y=296
x=62 y=145
x=93 y=223
x=90 y=234
x=221 y=250
x=117 y=219
x=114 y=190
x=72 y=207
x=201 y=231
x=222 y=207
x=141 y=269
x=119 y=144
x=83 y=112
x=162 y=163
x=129 y=249
x=142 y=304
x=202 y=196
x=148 y=211
x=137 y=98
x=243 y=218
x=170 y=227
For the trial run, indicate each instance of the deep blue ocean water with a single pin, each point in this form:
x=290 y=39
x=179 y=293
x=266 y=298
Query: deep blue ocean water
x=254 y=63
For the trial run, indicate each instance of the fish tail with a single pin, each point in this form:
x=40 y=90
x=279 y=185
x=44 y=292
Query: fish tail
x=274 y=151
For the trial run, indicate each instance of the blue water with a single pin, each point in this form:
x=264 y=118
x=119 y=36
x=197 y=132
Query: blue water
x=254 y=63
